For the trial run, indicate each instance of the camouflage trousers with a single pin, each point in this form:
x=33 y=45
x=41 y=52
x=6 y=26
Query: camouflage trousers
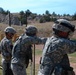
x=39 y=73
x=6 y=68
x=69 y=73
x=18 y=69
x=45 y=70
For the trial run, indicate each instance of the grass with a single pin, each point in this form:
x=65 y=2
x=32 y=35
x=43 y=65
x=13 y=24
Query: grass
x=38 y=53
x=72 y=57
x=0 y=72
x=73 y=54
x=28 y=70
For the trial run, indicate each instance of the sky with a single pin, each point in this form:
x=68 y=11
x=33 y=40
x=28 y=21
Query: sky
x=40 y=6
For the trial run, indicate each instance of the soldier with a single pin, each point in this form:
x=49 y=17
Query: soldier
x=21 y=48
x=6 y=50
x=54 y=59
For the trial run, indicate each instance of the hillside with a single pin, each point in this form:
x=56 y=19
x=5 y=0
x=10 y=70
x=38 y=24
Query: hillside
x=44 y=29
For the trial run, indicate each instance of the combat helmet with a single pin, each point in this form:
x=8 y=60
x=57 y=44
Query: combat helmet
x=63 y=26
x=9 y=30
x=31 y=30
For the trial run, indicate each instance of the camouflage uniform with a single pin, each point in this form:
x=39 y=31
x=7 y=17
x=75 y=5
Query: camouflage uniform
x=6 y=51
x=56 y=49
x=20 y=49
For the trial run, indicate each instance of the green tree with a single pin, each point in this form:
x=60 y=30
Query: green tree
x=1 y=10
x=28 y=12
x=21 y=13
x=74 y=17
x=47 y=18
x=23 y=20
x=47 y=12
x=54 y=14
x=42 y=20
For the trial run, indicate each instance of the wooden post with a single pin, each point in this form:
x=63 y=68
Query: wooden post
x=9 y=16
x=26 y=18
x=34 y=61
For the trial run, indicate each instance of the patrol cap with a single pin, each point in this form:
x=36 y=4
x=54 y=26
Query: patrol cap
x=10 y=30
x=63 y=25
x=30 y=29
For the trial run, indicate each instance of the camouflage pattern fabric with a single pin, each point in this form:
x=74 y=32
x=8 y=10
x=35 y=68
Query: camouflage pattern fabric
x=20 y=49
x=53 y=54
x=6 y=51
x=63 y=25
x=10 y=30
x=31 y=29
x=18 y=69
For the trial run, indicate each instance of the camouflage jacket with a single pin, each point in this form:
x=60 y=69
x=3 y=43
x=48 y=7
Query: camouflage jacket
x=6 y=49
x=55 y=49
x=20 y=48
